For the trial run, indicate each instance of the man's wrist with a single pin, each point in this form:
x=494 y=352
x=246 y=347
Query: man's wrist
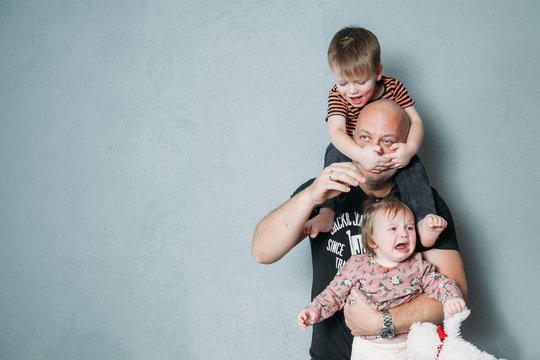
x=388 y=331
x=306 y=199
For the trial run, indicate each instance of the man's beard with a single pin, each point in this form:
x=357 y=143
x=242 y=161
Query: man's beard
x=380 y=181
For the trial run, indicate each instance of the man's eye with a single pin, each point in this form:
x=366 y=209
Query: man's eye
x=364 y=137
x=386 y=142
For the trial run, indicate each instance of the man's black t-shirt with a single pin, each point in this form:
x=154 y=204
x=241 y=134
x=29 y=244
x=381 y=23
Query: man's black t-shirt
x=332 y=339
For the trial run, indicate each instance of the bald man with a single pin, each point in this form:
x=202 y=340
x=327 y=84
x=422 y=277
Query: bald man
x=381 y=123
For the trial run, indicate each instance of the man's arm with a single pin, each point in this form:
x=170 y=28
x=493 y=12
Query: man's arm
x=282 y=229
x=362 y=320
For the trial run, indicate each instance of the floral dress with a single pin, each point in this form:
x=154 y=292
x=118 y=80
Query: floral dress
x=382 y=287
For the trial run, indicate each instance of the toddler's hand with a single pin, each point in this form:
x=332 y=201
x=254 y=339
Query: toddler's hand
x=323 y=222
x=371 y=160
x=401 y=155
x=453 y=306
x=305 y=318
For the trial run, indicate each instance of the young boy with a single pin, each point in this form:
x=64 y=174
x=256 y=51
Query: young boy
x=354 y=57
x=390 y=274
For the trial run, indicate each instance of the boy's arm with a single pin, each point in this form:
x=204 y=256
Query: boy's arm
x=405 y=151
x=368 y=156
x=362 y=320
x=416 y=130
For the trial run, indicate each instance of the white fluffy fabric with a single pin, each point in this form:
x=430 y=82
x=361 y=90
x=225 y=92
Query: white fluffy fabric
x=423 y=342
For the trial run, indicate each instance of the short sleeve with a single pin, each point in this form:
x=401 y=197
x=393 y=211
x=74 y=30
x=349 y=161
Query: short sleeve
x=336 y=104
x=402 y=96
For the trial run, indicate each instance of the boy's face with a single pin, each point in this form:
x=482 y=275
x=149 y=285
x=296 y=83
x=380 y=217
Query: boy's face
x=358 y=90
x=394 y=237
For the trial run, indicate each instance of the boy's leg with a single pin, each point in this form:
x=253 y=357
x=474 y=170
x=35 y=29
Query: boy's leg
x=333 y=156
x=416 y=192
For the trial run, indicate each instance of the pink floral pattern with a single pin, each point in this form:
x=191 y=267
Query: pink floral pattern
x=382 y=287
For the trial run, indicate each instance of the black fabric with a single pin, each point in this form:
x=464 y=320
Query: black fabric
x=331 y=338
x=413 y=184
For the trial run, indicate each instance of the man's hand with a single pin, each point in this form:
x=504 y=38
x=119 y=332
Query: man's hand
x=370 y=158
x=333 y=180
x=360 y=318
x=401 y=155
x=283 y=228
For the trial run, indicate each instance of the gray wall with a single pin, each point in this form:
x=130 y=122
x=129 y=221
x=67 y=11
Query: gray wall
x=142 y=141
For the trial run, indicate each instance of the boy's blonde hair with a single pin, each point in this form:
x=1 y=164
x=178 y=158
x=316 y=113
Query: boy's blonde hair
x=389 y=206
x=354 y=51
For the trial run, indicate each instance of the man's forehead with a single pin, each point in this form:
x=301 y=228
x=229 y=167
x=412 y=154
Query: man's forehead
x=362 y=130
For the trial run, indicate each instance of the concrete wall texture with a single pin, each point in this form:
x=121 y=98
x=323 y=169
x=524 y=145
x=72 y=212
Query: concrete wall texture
x=142 y=141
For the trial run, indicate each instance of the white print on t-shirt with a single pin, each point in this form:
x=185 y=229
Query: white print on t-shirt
x=344 y=220
x=335 y=247
x=355 y=241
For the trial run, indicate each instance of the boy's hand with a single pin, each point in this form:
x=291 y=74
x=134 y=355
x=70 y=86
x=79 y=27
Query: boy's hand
x=370 y=158
x=402 y=154
x=306 y=318
x=453 y=306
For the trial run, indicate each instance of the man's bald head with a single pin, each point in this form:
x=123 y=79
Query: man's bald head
x=388 y=112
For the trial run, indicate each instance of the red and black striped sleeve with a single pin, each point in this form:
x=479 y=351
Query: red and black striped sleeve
x=396 y=91
x=337 y=105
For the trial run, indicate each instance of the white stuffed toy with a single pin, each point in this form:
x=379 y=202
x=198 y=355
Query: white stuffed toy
x=426 y=341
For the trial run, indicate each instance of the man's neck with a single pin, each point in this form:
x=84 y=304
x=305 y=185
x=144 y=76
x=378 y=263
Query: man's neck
x=378 y=190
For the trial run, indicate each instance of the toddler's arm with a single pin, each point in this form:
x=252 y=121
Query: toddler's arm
x=333 y=297
x=403 y=152
x=439 y=287
x=306 y=318
x=369 y=157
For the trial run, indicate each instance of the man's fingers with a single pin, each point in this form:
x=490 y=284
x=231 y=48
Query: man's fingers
x=343 y=173
x=355 y=293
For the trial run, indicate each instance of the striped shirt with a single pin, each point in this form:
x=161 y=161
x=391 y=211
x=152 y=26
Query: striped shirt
x=338 y=105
